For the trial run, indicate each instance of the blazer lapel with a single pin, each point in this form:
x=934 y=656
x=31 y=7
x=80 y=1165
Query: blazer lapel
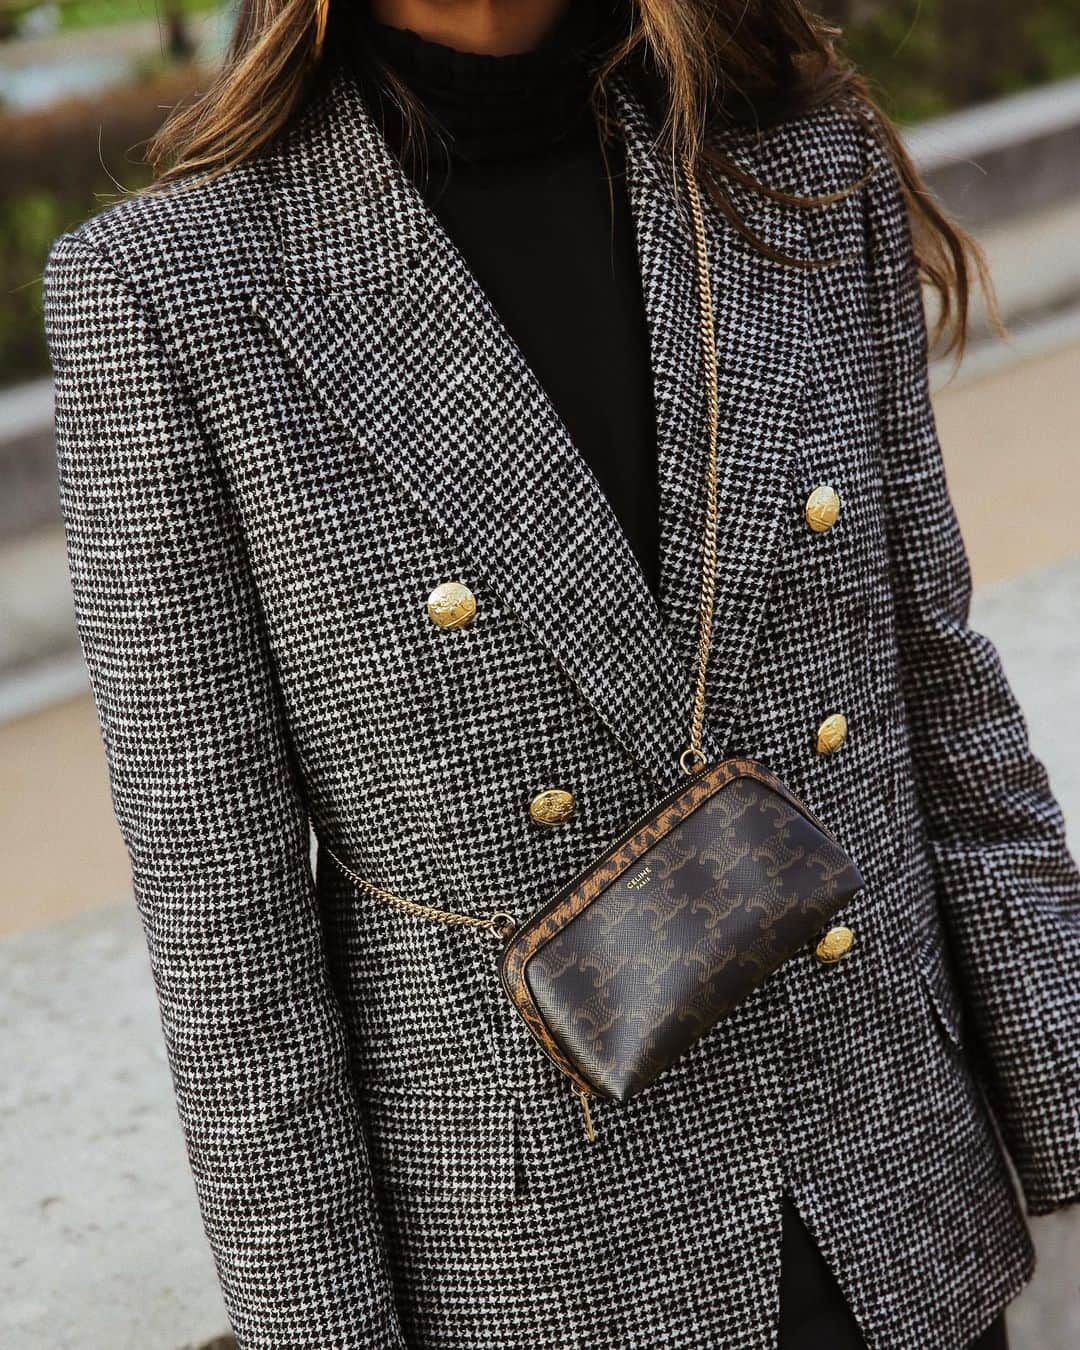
x=397 y=340
x=760 y=315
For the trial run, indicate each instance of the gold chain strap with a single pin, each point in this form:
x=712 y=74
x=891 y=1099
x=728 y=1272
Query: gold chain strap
x=692 y=759
x=499 y=923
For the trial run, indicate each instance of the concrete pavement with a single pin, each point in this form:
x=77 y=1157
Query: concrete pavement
x=102 y=1246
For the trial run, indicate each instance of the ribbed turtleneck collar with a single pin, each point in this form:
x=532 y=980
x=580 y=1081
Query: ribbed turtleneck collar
x=489 y=107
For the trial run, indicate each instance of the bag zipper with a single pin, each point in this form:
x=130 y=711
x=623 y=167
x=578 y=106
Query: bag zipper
x=583 y=1095
x=635 y=825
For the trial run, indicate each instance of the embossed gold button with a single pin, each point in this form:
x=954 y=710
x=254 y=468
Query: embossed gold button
x=451 y=605
x=835 y=945
x=831 y=734
x=822 y=508
x=552 y=806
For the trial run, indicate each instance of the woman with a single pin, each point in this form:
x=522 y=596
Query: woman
x=382 y=441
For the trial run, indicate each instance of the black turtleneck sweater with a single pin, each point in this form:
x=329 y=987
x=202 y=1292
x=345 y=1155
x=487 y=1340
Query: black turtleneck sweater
x=516 y=173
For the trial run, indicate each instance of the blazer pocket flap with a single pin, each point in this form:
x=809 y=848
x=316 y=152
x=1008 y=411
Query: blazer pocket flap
x=934 y=968
x=457 y=1145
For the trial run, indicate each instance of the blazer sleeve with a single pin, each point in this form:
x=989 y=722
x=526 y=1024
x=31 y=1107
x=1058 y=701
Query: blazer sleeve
x=215 y=829
x=1009 y=890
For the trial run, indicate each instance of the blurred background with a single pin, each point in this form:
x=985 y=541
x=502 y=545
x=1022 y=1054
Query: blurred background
x=102 y=1245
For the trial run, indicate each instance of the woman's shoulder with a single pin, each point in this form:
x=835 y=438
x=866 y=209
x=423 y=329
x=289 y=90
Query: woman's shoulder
x=182 y=237
x=816 y=151
x=836 y=159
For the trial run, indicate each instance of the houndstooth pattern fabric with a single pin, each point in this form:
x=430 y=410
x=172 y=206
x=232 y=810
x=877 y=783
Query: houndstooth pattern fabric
x=285 y=412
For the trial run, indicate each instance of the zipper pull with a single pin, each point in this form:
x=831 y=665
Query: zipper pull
x=582 y=1095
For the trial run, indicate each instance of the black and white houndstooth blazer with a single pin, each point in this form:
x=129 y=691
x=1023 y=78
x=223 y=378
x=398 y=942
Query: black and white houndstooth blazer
x=285 y=412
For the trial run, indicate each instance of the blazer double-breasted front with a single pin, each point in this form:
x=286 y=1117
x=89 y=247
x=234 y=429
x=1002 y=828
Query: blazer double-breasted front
x=286 y=413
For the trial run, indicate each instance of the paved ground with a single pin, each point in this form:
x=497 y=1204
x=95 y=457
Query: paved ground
x=102 y=1247
x=1012 y=451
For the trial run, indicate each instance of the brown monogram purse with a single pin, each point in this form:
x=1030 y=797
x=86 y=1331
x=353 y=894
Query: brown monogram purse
x=701 y=898
x=686 y=913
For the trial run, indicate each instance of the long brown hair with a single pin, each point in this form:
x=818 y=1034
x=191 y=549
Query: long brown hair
x=712 y=59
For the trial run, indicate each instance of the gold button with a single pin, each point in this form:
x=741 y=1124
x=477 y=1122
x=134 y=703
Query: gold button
x=552 y=806
x=831 y=734
x=451 y=605
x=835 y=945
x=822 y=508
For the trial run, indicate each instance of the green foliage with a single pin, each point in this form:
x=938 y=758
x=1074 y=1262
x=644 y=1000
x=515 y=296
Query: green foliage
x=99 y=13
x=58 y=166
x=27 y=224
x=928 y=57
